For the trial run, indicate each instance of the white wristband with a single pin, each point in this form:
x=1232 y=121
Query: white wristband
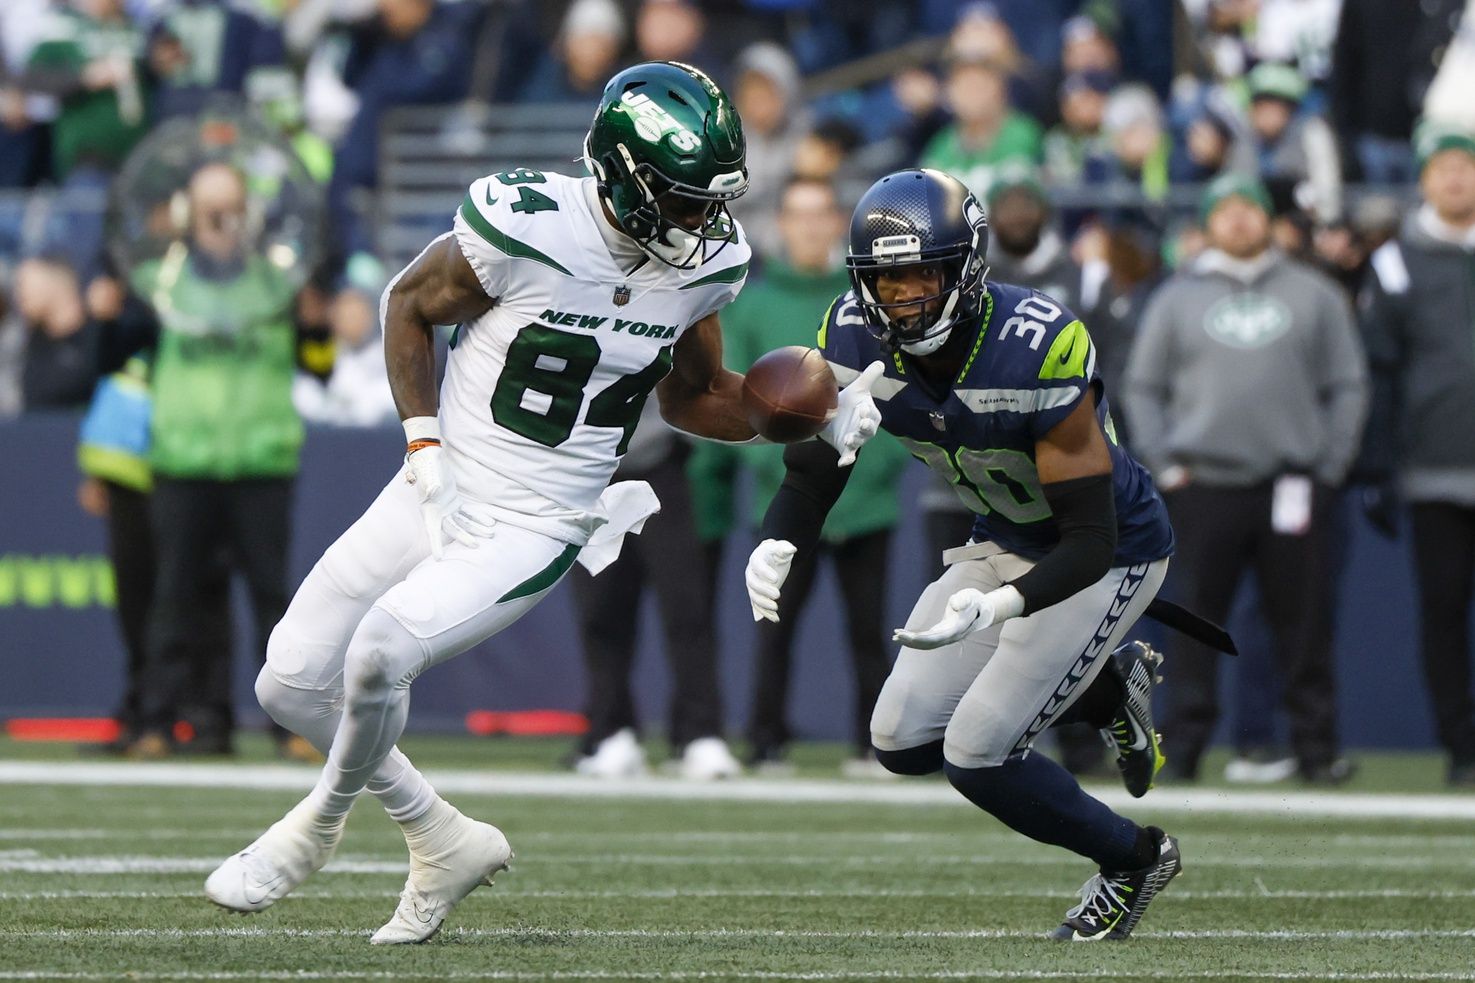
x=1007 y=601
x=422 y=428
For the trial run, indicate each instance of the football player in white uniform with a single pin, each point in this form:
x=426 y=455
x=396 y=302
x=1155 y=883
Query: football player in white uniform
x=575 y=298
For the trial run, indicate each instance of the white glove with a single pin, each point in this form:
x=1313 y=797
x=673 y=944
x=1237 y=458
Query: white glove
x=856 y=418
x=767 y=570
x=968 y=610
x=440 y=503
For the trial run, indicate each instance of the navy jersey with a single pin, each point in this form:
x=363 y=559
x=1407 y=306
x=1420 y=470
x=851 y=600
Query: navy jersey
x=1031 y=363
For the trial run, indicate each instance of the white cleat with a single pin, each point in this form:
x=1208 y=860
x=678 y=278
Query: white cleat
x=707 y=759
x=451 y=855
x=618 y=756
x=280 y=859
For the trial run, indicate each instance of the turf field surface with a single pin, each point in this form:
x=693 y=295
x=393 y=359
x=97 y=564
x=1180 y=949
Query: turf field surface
x=100 y=879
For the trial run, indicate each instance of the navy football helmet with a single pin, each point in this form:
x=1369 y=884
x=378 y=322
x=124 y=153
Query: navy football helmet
x=918 y=218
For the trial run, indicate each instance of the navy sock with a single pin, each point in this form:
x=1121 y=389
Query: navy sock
x=923 y=760
x=1033 y=795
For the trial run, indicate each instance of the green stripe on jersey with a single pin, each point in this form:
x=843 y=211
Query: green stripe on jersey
x=503 y=241
x=545 y=578
x=730 y=275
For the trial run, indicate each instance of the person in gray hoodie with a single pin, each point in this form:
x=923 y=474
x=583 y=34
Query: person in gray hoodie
x=1417 y=314
x=1246 y=391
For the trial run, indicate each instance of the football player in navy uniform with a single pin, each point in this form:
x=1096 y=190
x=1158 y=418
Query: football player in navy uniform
x=995 y=387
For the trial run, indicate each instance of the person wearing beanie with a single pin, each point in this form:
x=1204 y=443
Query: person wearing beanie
x=1296 y=151
x=1417 y=310
x=1246 y=391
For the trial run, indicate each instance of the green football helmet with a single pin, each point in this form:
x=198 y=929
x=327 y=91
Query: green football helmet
x=667 y=149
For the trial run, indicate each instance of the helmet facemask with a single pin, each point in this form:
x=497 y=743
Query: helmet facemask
x=649 y=208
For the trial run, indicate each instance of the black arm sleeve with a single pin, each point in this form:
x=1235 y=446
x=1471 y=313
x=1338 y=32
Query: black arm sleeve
x=1085 y=511
x=811 y=487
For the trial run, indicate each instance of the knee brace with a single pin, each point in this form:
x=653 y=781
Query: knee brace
x=924 y=760
x=383 y=655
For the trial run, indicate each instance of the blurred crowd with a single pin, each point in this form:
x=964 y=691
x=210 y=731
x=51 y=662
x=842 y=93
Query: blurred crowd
x=1269 y=168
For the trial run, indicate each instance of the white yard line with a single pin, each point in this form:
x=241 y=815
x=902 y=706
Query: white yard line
x=730 y=974
x=300 y=779
x=555 y=935
x=684 y=894
x=27 y=862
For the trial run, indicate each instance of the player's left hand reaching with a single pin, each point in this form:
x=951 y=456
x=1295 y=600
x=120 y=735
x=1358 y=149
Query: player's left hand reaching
x=441 y=505
x=967 y=611
x=856 y=418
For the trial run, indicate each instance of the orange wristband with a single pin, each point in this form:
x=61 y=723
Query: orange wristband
x=421 y=443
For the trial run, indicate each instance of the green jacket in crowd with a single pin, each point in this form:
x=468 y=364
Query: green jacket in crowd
x=91 y=127
x=222 y=372
x=785 y=307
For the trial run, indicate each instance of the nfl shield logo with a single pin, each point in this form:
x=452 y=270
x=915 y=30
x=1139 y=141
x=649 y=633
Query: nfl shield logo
x=622 y=295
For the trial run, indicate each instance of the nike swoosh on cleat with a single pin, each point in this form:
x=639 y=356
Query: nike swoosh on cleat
x=424 y=915
x=264 y=889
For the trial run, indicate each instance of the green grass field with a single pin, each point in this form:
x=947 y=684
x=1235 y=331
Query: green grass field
x=102 y=881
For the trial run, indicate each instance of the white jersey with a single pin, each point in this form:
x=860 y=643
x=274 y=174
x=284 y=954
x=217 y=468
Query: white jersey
x=543 y=391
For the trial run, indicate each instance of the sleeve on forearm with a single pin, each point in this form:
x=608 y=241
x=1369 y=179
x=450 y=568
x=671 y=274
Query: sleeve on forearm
x=1085 y=512
x=812 y=485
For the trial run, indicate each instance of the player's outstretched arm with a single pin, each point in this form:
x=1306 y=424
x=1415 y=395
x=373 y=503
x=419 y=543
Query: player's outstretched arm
x=813 y=482
x=699 y=396
x=439 y=287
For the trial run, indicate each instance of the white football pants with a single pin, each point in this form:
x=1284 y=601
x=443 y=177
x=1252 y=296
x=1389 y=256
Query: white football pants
x=990 y=695
x=375 y=612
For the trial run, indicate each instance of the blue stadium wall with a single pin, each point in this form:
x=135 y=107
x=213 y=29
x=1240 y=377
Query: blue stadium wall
x=60 y=653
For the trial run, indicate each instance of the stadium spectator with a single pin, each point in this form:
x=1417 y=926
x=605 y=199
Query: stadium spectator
x=1417 y=313
x=784 y=307
x=1120 y=281
x=672 y=30
x=1212 y=144
x=584 y=54
x=1077 y=139
x=981 y=34
x=1300 y=33
x=1296 y=151
x=1246 y=391
x=356 y=391
x=986 y=131
x=417 y=52
x=1370 y=101
x=23 y=137
x=200 y=49
x=825 y=151
x=87 y=56
x=62 y=347
x=225 y=442
x=609 y=607
x=1085 y=47
x=766 y=96
x=1138 y=143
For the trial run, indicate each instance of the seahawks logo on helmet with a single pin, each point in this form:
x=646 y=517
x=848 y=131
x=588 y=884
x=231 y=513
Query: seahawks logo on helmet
x=918 y=218
x=667 y=149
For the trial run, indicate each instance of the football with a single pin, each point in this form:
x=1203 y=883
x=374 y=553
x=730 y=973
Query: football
x=790 y=394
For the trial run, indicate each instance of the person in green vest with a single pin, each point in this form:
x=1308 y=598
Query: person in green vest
x=986 y=132
x=225 y=438
x=785 y=307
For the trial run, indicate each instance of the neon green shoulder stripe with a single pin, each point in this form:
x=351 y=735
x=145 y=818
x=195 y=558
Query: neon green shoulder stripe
x=503 y=241
x=1066 y=358
x=824 y=323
